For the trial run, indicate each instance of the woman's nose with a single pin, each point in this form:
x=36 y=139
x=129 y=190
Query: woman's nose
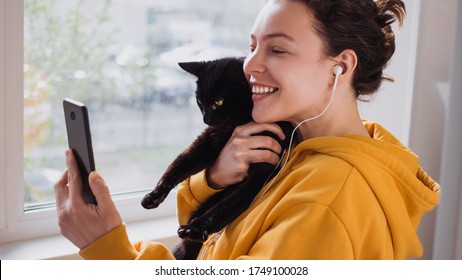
x=254 y=63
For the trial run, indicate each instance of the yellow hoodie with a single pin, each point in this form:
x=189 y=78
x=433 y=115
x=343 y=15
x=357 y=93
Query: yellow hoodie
x=349 y=197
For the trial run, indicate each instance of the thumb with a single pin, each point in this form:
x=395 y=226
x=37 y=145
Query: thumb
x=100 y=190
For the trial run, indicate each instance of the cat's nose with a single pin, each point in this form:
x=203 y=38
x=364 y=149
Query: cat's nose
x=207 y=119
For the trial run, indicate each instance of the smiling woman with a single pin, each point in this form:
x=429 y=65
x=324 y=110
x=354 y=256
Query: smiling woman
x=348 y=186
x=397 y=107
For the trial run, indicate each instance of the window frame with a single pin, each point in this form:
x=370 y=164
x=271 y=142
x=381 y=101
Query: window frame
x=15 y=223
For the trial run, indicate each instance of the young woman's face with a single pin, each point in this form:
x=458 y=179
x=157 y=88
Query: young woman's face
x=290 y=77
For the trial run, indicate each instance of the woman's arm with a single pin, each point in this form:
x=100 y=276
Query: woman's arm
x=97 y=229
x=242 y=149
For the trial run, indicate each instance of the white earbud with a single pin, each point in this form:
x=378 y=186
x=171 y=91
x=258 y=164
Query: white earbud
x=338 y=70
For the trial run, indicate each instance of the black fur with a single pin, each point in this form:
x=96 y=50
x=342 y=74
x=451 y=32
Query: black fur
x=224 y=97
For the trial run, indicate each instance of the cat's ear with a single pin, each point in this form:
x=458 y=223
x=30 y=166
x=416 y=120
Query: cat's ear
x=194 y=68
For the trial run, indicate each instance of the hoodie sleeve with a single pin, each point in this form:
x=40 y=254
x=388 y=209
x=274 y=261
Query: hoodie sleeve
x=115 y=245
x=192 y=193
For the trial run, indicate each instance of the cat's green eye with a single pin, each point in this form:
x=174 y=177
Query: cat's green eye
x=219 y=103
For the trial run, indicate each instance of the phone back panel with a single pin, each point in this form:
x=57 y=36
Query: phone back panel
x=79 y=138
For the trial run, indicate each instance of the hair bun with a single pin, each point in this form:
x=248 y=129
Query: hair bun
x=388 y=11
x=364 y=26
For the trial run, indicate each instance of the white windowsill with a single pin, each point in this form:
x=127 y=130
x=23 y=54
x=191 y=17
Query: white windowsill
x=57 y=247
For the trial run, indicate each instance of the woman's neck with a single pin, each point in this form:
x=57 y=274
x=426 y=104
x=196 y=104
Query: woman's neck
x=341 y=119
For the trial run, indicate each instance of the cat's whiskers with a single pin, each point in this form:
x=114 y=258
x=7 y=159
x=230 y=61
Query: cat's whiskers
x=197 y=127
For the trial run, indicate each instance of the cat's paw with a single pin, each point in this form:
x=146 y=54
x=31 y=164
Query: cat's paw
x=153 y=199
x=192 y=233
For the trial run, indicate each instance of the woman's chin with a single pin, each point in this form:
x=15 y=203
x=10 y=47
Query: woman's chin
x=261 y=118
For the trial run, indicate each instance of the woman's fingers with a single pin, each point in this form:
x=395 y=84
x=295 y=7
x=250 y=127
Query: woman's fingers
x=74 y=181
x=254 y=128
x=243 y=148
x=264 y=143
x=61 y=190
x=258 y=156
x=246 y=138
x=101 y=191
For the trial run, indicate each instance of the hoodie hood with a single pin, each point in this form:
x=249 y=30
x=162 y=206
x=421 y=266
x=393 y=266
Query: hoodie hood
x=403 y=189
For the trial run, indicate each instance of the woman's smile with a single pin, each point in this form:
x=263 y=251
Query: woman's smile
x=261 y=91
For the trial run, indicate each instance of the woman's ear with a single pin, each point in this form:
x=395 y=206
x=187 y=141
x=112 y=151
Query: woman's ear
x=348 y=60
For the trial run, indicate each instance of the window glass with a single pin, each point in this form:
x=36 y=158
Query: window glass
x=120 y=58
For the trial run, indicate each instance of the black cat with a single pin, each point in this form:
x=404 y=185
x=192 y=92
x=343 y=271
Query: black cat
x=225 y=99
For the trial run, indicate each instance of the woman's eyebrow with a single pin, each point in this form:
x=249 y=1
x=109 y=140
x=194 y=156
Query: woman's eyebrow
x=278 y=35
x=275 y=35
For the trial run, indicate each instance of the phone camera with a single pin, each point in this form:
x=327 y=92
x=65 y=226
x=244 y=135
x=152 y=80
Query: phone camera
x=73 y=116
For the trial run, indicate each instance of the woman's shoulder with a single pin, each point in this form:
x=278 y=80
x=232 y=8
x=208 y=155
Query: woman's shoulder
x=320 y=166
x=319 y=178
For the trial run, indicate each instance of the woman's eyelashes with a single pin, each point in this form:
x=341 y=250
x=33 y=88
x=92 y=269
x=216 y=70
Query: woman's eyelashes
x=276 y=50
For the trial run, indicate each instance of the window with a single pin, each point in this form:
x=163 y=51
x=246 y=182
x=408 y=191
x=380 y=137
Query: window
x=120 y=58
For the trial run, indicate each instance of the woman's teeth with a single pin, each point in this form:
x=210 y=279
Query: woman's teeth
x=263 y=90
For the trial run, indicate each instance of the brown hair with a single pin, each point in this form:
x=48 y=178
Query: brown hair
x=363 y=26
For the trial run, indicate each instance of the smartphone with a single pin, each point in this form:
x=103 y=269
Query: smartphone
x=79 y=138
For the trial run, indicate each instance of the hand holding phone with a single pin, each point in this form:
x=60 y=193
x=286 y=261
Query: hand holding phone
x=79 y=138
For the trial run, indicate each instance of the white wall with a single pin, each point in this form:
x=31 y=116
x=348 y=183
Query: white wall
x=430 y=105
x=448 y=235
x=415 y=107
x=391 y=106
